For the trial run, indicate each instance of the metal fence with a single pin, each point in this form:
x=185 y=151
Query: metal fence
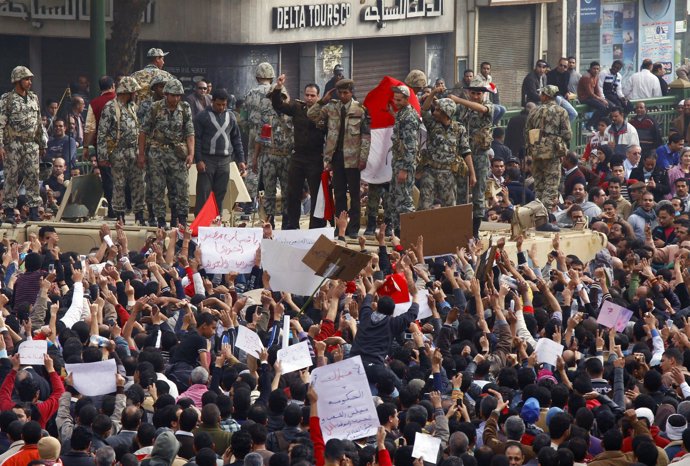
x=662 y=109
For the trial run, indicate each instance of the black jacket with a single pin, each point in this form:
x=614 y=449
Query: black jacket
x=559 y=80
x=308 y=137
x=660 y=179
x=530 y=88
x=77 y=458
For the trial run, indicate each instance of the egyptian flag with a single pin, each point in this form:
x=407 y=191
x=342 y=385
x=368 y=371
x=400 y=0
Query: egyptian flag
x=324 y=200
x=207 y=215
x=395 y=286
x=378 y=169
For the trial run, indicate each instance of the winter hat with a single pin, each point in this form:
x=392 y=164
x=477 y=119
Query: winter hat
x=530 y=411
x=49 y=448
x=551 y=413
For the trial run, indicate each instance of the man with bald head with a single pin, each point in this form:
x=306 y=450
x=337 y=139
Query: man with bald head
x=131 y=418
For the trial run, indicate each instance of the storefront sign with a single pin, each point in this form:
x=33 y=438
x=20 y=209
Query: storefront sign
x=403 y=9
x=656 y=33
x=589 y=11
x=64 y=10
x=311 y=16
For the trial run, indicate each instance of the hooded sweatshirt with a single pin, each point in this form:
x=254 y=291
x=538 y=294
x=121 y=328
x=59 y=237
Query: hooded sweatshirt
x=164 y=451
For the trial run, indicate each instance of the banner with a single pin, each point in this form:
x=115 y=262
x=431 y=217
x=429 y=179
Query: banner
x=226 y=250
x=619 y=36
x=657 y=28
x=590 y=11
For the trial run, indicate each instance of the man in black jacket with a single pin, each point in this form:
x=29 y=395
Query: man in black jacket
x=307 y=160
x=654 y=177
x=533 y=82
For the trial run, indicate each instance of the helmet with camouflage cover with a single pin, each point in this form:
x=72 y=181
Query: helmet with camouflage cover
x=416 y=78
x=447 y=106
x=265 y=71
x=20 y=72
x=174 y=86
x=128 y=85
x=159 y=78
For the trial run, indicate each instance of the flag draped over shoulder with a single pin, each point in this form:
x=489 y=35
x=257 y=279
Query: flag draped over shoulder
x=378 y=169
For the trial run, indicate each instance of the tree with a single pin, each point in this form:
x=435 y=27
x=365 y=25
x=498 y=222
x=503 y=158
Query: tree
x=125 y=34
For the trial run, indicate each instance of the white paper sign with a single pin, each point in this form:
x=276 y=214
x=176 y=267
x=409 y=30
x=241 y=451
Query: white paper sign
x=346 y=407
x=295 y=357
x=286 y=331
x=548 y=351
x=32 y=351
x=226 y=250
x=427 y=447
x=248 y=341
x=288 y=273
x=94 y=378
x=424 y=309
x=302 y=239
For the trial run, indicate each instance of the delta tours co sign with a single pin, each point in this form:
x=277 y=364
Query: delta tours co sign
x=311 y=16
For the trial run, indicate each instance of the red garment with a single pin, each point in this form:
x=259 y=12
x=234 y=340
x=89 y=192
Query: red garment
x=658 y=440
x=97 y=105
x=317 y=439
x=47 y=408
x=122 y=314
x=24 y=456
x=327 y=330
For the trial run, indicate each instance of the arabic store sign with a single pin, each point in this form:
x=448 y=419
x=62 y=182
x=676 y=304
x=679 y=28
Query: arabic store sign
x=402 y=9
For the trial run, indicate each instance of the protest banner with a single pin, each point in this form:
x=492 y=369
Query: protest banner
x=248 y=341
x=94 y=378
x=346 y=407
x=32 y=351
x=443 y=229
x=294 y=357
x=226 y=250
x=283 y=262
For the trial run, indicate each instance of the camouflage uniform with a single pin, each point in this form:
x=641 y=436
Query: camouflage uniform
x=405 y=147
x=478 y=127
x=274 y=159
x=22 y=136
x=259 y=110
x=144 y=77
x=446 y=148
x=166 y=128
x=546 y=164
x=117 y=144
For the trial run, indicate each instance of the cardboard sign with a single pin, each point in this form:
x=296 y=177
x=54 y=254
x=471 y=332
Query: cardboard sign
x=331 y=260
x=443 y=229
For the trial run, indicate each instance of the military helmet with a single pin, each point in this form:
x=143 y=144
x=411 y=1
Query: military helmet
x=160 y=78
x=550 y=90
x=174 y=86
x=447 y=106
x=20 y=72
x=128 y=85
x=416 y=78
x=265 y=71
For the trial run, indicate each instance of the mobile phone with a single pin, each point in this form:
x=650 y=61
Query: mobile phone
x=407 y=336
x=347 y=316
x=51 y=268
x=669 y=323
x=221 y=296
x=225 y=340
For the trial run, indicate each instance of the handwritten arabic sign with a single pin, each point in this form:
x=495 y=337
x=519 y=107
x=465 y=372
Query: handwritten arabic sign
x=295 y=357
x=346 y=407
x=311 y=16
x=32 y=351
x=226 y=250
x=302 y=239
x=403 y=9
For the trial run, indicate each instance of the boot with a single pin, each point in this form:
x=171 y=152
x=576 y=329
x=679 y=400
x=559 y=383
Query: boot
x=173 y=216
x=370 y=230
x=9 y=216
x=120 y=217
x=182 y=220
x=161 y=222
x=139 y=219
x=152 y=216
x=476 y=222
x=33 y=214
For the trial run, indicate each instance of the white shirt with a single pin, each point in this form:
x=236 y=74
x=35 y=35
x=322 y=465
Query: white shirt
x=616 y=80
x=628 y=166
x=642 y=85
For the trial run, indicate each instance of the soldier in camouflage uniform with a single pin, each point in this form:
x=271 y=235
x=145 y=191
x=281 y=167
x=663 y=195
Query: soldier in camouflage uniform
x=348 y=139
x=258 y=110
x=118 y=133
x=447 y=155
x=169 y=131
x=22 y=142
x=274 y=159
x=416 y=80
x=145 y=75
x=477 y=118
x=551 y=144
x=157 y=85
x=404 y=162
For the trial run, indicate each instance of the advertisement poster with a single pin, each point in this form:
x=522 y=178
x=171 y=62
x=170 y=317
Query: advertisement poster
x=619 y=35
x=589 y=11
x=656 y=33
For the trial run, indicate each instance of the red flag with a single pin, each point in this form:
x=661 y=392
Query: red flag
x=395 y=286
x=324 y=207
x=206 y=216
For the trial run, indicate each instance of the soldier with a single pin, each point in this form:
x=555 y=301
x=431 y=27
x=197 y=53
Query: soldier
x=155 y=68
x=477 y=118
x=416 y=80
x=157 y=85
x=404 y=163
x=22 y=142
x=448 y=154
x=118 y=132
x=170 y=131
x=274 y=157
x=548 y=146
x=347 y=147
x=257 y=108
